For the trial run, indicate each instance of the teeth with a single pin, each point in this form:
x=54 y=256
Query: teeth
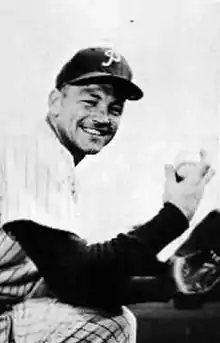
x=92 y=131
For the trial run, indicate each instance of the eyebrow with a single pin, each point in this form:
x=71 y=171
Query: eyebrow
x=92 y=92
x=94 y=95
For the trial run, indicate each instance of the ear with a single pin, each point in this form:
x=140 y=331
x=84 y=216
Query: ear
x=54 y=101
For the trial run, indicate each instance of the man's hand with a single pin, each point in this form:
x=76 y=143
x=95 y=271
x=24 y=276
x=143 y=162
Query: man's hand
x=187 y=193
x=187 y=163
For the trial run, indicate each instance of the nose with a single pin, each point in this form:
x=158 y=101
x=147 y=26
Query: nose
x=102 y=114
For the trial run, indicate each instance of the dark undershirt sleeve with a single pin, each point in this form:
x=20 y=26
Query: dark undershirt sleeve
x=96 y=275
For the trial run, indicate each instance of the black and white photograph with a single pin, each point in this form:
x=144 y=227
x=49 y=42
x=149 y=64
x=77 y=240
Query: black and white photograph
x=110 y=171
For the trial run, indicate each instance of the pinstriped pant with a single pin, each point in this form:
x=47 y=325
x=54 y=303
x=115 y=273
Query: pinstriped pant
x=46 y=320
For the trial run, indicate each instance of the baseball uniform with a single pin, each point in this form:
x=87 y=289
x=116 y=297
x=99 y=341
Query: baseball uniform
x=38 y=184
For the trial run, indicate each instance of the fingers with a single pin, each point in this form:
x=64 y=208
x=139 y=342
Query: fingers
x=208 y=176
x=204 y=162
x=203 y=154
x=200 y=169
x=191 y=172
x=169 y=172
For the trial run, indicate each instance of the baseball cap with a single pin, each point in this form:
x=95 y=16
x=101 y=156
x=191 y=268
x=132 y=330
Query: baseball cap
x=99 y=65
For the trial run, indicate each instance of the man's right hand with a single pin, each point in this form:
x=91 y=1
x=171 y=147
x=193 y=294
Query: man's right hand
x=186 y=194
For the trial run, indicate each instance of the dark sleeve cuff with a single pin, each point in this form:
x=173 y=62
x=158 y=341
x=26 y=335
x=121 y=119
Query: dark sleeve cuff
x=178 y=216
x=167 y=225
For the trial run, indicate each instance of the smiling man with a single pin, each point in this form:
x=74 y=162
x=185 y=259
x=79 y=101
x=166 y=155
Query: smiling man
x=97 y=110
x=60 y=288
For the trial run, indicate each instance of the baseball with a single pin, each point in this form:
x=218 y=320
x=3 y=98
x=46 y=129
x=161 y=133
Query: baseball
x=185 y=162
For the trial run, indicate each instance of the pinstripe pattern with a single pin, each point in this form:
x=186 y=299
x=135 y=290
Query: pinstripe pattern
x=37 y=182
x=46 y=320
x=18 y=274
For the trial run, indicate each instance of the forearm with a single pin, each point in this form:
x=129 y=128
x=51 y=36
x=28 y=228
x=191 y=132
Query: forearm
x=134 y=253
x=92 y=274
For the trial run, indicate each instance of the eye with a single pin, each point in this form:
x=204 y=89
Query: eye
x=90 y=103
x=115 y=111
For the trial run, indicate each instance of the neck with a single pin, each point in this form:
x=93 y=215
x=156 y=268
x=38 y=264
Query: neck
x=77 y=154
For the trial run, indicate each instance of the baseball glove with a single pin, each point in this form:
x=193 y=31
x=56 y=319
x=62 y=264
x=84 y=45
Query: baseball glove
x=195 y=267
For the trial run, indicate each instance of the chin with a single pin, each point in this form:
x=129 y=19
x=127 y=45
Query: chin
x=92 y=151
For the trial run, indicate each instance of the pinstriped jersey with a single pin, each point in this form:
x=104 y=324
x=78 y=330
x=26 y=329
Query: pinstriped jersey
x=37 y=182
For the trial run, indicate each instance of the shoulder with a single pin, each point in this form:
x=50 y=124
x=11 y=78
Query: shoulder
x=29 y=145
x=35 y=152
x=20 y=152
x=15 y=146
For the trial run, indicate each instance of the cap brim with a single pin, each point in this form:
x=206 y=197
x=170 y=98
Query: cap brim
x=129 y=89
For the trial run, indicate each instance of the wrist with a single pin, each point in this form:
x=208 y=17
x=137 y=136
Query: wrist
x=183 y=210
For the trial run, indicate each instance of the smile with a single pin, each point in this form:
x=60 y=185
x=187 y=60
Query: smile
x=93 y=132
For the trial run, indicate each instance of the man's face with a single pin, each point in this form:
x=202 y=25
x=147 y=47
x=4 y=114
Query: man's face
x=88 y=116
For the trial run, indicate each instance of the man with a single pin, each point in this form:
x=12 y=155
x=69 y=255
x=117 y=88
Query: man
x=82 y=294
